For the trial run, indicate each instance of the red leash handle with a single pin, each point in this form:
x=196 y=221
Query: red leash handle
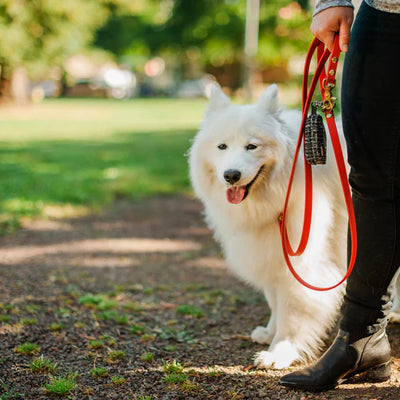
x=327 y=82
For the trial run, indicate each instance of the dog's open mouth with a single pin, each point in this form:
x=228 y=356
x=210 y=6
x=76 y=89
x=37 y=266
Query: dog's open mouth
x=236 y=194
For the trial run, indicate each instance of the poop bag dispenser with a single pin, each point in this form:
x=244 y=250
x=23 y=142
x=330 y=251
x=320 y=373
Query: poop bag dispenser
x=314 y=138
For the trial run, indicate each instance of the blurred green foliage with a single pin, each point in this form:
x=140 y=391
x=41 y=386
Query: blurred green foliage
x=41 y=33
x=206 y=31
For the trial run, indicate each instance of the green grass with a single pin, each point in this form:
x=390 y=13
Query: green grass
x=118 y=380
x=65 y=156
x=172 y=367
x=5 y=318
x=173 y=373
x=147 y=357
x=175 y=378
x=96 y=344
x=115 y=355
x=60 y=386
x=114 y=315
x=28 y=349
x=56 y=327
x=99 y=301
x=137 y=329
x=42 y=365
x=193 y=311
x=99 y=372
x=29 y=321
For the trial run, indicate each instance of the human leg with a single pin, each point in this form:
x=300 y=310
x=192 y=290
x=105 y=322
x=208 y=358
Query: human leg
x=371 y=120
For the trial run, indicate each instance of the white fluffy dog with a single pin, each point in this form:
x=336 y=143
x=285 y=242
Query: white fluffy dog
x=239 y=166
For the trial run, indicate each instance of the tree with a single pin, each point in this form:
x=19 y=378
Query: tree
x=209 y=33
x=37 y=34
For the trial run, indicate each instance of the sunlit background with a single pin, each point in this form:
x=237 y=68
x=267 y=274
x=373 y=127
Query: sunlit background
x=146 y=48
x=100 y=98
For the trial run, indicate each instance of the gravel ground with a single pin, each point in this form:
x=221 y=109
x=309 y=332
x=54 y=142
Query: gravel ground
x=136 y=303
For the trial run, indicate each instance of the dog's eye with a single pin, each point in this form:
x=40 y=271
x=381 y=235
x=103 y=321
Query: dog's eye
x=251 y=146
x=222 y=146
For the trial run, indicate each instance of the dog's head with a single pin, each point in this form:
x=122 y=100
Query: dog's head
x=241 y=146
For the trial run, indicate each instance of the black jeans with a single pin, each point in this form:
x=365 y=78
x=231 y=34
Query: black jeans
x=371 y=123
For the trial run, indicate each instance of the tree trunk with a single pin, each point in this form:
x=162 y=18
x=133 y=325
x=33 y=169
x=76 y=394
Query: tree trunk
x=20 y=85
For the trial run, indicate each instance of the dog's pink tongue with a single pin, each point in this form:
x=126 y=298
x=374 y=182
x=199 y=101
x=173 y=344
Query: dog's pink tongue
x=235 y=194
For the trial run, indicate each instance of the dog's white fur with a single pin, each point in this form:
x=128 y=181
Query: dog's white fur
x=249 y=231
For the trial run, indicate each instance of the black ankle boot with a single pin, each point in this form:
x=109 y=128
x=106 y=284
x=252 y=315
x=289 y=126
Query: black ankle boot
x=347 y=356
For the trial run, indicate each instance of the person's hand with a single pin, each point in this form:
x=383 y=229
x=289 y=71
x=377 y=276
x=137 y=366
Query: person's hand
x=331 y=21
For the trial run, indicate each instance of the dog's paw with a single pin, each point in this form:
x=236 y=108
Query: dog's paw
x=281 y=356
x=262 y=335
x=394 y=317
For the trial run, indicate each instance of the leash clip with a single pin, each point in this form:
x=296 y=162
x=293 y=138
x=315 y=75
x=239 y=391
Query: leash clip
x=328 y=103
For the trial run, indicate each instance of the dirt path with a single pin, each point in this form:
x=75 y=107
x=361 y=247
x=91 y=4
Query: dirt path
x=136 y=303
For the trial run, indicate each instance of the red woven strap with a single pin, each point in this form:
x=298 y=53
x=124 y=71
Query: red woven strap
x=327 y=82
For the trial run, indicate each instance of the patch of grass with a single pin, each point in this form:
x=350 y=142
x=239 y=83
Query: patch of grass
x=90 y=300
x=28 y=349
x=109 y=339
x=5 y=307
x=42 y=365
x=190 y=386
x=174 y=378
x=172 y=367
x=29 y=321
x=137 y=329
x=5 y=318
x=193 y=311
x=148 y=291
x=118 y=380
x=147 y=338
x=107 y=304
x=100 y=302
x=99 y=372
x=56 y=327
x=195 y=287
x=96 y=344
x=143 y=398
x=66 y=154
x=63 y=312
x=61 y=386
x=114 y=315
x=147 y=357
x=32 y=308
x=115 y=355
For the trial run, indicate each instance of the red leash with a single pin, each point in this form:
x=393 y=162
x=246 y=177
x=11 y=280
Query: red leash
x=327 y=81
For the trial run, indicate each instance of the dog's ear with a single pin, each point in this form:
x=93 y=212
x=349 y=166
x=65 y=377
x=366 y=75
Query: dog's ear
x=269 y=100
x=217 y=99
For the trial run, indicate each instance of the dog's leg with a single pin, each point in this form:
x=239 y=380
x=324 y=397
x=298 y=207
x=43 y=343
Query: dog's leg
x=261 y=334
x=292 y=334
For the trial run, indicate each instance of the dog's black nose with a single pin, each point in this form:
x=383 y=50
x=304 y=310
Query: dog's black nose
x=232 y=176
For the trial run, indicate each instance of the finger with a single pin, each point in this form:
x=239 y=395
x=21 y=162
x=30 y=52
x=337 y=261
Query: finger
x=344 y=37
x=328 y=39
